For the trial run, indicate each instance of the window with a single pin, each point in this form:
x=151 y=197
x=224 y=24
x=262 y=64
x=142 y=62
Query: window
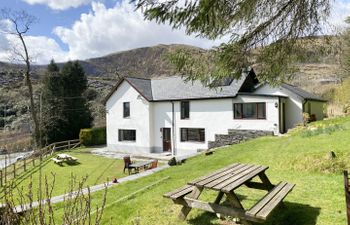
x=192 y=134
x=127 y=135
x=185 y=110
x=250 y=110
x=126 y=109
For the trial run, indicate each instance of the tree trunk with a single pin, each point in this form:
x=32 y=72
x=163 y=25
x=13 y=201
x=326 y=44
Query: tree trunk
x=33 y=109
x=30 y=89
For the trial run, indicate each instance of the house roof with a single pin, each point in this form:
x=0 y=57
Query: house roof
x=143 y=86
x=302 y=93
x=176 y=88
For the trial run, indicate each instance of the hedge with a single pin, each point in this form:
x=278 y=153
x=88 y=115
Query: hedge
x=93 y=136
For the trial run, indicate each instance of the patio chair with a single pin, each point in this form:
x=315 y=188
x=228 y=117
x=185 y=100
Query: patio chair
x=154 y=164
x=127 y=163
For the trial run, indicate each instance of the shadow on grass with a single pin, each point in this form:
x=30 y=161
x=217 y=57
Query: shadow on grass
x=288 y=214
x=72 y=163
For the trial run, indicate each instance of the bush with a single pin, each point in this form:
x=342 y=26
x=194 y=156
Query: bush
x=93 y=136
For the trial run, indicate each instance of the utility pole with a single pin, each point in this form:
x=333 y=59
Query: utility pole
x=40 y=118
x=4 y=118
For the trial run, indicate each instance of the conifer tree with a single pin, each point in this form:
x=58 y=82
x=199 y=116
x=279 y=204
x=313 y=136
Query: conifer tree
x=76 y=108
x=53 y=121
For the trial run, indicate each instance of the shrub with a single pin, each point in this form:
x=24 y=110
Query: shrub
x=93 y=136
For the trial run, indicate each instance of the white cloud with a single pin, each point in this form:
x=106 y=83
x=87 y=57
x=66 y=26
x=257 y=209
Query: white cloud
x=41 y=49
x=59 y=4
x=339 y=12
x=106 y=30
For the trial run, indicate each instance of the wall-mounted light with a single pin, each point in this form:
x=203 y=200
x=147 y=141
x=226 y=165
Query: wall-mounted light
x=276 y=104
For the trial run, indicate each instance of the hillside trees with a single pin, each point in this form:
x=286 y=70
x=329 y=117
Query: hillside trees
x=65 y=109
x=20 y=24
x=53 y=118
x=258 y=31
x=76 y=109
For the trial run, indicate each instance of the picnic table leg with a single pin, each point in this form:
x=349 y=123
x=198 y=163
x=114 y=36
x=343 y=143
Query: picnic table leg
x=185 y=209
x=233 y=199
x=265 y=180
x=219 y=197
x=217 y=201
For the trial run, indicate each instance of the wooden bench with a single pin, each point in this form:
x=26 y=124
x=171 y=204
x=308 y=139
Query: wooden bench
x=270 y=201
x=73 y=159
x=179 y=193
x=57 y=161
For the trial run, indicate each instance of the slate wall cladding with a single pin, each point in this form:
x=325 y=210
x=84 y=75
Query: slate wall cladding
x=236 y=136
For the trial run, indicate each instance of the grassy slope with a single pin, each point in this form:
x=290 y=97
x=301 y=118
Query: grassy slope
x=318 y=197
x=97 y=169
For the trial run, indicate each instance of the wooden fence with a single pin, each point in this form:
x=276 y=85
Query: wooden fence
x=19 y=167
x=347 y=195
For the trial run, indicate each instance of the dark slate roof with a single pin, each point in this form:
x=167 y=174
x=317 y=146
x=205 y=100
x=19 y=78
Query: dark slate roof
x=143 y=86
x=302 y=93
x=176 y=88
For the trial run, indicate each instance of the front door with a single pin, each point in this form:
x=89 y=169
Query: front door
x=166 y=139
x=282 y=118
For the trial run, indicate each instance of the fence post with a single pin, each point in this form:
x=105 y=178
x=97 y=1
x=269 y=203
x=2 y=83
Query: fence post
x=14 y=170
x=5 y=175
x=24 y=165
x=1 y=178
x=33 y=160
x=347 y=195
x=68 y=144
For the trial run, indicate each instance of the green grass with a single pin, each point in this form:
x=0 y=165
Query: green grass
x=96 y=169
x=318 y=197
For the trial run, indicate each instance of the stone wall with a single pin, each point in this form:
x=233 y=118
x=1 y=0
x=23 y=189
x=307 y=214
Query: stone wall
x=236 y=136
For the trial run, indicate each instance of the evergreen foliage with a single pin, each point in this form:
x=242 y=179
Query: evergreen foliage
x=76 y=108
x=260 y=32
x=65 y=109
x=53 y=119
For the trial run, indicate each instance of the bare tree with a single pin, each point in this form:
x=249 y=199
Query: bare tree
x=20 y=24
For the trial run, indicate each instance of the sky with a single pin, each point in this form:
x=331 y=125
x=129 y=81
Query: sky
x=82 y=29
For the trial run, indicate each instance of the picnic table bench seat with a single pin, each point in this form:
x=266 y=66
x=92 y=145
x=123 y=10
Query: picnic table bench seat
x=270 y=201
x=179 y=193
x=73 y=159
x=58 y=161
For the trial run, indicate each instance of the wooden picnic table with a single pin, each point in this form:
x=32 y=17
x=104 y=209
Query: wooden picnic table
x=60 y=158
x=225 y=182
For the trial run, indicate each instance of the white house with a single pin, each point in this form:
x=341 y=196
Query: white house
x=169 y=114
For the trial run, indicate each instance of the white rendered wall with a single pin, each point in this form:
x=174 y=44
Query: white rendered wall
x=293 y=104
x=215 y=116
x=139 y=120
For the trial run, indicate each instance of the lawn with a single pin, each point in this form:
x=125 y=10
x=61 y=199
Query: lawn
x=96 y=169
x=300 y=158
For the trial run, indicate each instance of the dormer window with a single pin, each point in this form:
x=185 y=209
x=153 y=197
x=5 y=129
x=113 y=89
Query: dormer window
x=126 y=109
x=185 y=110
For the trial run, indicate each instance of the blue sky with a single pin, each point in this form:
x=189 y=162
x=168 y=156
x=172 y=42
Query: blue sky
x=81 y=29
